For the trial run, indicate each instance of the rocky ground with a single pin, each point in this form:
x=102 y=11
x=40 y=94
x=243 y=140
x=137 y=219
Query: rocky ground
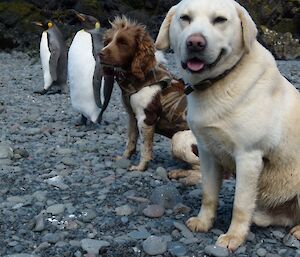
x=62 y=193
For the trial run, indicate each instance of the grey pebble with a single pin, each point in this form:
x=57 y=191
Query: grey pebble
x=290 y=241
x=166 y=196
x=177 y=249
x=154 y=245
x=57 y=181
x=136 y=234
x=124 y=210
x=122 y=163
x=56 y=209
x=162 y=173
x=6 y=151
x=214 y=250
x=51 y=238
x=183 y=229
x=261 y=252
x=154 y=211
x=180 y=208
x=88 y=215
x=21 y=255
x=93 y=246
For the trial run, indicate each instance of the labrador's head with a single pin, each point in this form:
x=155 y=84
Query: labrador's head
x=207 y=36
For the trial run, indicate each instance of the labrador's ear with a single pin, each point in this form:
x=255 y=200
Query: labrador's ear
x=248 y=27
x=163 y=40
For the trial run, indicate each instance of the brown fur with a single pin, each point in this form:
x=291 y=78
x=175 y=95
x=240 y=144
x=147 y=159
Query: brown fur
x=129 y=47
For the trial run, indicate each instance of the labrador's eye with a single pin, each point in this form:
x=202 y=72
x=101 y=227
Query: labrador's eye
x=219 y=19
x=186 y=18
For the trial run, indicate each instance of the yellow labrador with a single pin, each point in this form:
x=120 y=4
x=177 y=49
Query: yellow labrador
x=243 y=112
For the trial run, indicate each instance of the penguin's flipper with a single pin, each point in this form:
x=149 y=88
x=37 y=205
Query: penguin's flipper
x=53 y=64
x=107 y=84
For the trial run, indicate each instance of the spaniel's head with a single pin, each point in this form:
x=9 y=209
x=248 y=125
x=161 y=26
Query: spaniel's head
x=128 y=45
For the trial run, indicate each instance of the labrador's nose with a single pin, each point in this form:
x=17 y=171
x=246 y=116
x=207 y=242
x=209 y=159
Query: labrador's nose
x=196 y=43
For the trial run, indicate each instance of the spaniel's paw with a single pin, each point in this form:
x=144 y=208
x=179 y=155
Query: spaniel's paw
x=197 y=224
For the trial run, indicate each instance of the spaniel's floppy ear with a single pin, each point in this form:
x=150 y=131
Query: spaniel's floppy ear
x=144 y=59
x=163 y=40
x=248 y=27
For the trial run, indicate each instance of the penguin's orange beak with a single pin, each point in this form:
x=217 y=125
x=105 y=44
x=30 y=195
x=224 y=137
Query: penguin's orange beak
x=80 y=16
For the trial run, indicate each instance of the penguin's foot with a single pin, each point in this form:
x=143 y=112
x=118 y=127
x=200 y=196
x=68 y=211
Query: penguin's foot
x=54 y=92
x=82 y=121
x=41 y=92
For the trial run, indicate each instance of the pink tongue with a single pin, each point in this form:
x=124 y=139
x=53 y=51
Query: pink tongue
x=195 y=65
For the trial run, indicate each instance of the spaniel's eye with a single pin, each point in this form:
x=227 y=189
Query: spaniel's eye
x=219 y=19
x=186 y=18
x=106 y=41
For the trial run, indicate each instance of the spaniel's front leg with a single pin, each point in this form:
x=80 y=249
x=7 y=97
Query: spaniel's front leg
x=131 y=136
x=146 y=137
x=248 y=169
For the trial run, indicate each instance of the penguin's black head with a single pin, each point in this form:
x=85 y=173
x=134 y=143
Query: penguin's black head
x=45 y=25
x=87 y=21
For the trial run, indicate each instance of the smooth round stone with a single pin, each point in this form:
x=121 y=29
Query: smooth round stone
x=124 y=210
x=136 y=234
x=21 y=255
x=154 y=245
x=51 y=238
x=93 y=246
x=162 y=173
x=217 y=251
x=291 y=241
x=166 y=196
x=57 y=181
x=261 y=252
x=154 y=211
x=68 y=161
x=6 y=152
x=56 y=209
x=177 y=249
x=122 y=163
x=88 y=215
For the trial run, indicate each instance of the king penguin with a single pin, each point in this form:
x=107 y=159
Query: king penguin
x=53 y=53
x=90 y=91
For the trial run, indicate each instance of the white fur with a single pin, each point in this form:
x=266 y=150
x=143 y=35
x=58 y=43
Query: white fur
x=140 y=100
x=160 y=57
x=247 y=122
x=81 y=67
x=45 y=57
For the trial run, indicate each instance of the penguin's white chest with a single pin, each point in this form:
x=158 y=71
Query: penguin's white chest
x=81 y=68
x=45 y=58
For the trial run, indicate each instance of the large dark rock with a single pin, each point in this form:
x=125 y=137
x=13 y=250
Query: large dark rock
x=16 y=30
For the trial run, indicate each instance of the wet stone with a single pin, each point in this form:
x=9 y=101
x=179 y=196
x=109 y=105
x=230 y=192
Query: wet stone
x=261 y=252
x=122 y=163
x=166 y=196
x=136 y=234
x=88 y=215
x=214 y=250
x=154 y=245
x=177 y=249
x=290 y=241
x=124 y=210
x=154 y=211
x=93 y=246
x=56 y=209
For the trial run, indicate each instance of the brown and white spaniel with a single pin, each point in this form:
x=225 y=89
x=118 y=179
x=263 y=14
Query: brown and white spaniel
x=154 y=99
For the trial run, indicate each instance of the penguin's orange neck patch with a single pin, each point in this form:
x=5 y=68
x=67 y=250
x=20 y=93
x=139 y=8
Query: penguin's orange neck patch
x=50 y=25
x=97 y=25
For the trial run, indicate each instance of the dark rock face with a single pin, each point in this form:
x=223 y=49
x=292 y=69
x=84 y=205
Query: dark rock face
x=17 y=31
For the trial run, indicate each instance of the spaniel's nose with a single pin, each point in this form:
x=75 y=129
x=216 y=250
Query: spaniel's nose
x=196 y=43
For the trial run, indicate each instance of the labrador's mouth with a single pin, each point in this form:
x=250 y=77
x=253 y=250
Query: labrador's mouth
x=196 y=65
